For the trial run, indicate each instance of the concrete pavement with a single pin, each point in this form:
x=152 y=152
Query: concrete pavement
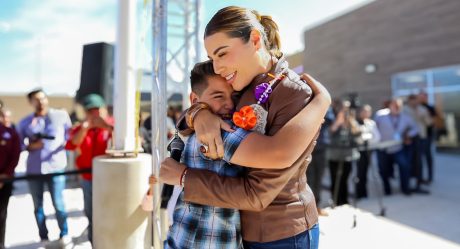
x=417 y=221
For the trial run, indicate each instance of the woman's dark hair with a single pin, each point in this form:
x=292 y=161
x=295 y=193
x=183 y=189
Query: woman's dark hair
x=238 y=22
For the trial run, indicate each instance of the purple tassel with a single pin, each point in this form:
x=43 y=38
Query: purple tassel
x=262 y=91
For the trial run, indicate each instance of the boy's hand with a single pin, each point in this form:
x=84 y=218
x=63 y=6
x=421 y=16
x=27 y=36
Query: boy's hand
x=171 y=171
x=152 y=180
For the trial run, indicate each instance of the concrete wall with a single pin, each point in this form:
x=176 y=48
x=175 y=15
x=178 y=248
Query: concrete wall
x=394 y=35
x=295 y=60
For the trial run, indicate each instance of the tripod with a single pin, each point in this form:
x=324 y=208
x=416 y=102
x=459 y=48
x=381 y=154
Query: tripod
x=366 y=148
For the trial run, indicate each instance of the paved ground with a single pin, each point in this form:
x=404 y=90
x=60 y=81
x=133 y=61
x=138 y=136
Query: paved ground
x=430 y=221
x=417 y=221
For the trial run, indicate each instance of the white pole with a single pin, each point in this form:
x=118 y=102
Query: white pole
x=120 y=183
x=125 y=87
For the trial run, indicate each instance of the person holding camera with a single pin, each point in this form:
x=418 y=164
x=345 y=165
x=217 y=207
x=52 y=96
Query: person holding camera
x=90 y=139
x=43 y=134
x=343 y=133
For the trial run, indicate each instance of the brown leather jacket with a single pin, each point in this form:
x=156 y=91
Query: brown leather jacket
x=274 y=204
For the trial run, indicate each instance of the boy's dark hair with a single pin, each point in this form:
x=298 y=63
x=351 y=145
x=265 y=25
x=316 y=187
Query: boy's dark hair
x=32 y=93
x=199 y=76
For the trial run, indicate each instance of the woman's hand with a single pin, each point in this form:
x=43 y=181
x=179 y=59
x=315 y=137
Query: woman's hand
x=171 y=171
x=207 y=128
x=317 y=88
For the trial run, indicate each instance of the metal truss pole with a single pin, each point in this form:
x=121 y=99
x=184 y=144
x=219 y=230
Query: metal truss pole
x=158 y=97
x=185 y=43
x=179 y=41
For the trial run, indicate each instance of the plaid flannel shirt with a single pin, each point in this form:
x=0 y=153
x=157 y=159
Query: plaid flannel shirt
x=199 y=226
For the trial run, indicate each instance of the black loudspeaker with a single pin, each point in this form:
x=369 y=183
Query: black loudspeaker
x=97 y=71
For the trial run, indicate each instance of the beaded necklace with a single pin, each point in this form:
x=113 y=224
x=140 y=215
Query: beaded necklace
x=254 y=117
x=263 y=90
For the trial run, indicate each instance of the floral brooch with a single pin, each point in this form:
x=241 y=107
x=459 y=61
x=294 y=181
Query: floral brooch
x=254 y=117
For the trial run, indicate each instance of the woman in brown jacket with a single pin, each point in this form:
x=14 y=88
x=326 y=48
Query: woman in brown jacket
x=278 y=209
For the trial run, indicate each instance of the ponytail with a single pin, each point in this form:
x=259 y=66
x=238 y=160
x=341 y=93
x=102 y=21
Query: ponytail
x=273 y=40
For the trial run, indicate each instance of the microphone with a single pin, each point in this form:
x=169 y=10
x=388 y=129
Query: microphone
x=175 y=148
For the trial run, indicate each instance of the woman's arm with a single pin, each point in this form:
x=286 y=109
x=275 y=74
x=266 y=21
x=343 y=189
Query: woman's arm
x=282 y=149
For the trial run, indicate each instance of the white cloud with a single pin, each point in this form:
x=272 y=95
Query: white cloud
x=49 y=35
x=5 y=27
x=54 y=33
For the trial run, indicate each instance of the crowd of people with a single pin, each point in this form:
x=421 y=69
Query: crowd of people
x=402 y=133
x=46 y=134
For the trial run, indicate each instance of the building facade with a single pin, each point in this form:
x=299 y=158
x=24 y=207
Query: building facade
x=391 y=48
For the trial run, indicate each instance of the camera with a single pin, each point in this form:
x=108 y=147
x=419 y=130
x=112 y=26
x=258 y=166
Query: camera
x=40 y=135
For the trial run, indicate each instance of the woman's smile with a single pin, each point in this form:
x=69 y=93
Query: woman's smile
x=230 y=78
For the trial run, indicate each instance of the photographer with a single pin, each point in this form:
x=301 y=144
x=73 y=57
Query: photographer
x=89 y=139
x=343 y=131
x=43 y=135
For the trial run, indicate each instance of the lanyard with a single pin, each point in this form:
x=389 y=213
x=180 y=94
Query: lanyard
x=395 y=121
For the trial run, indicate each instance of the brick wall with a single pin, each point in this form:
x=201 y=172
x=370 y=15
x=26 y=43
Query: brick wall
x=394 y=35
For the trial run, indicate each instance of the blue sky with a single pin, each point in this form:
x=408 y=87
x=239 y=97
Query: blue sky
x=41 y=41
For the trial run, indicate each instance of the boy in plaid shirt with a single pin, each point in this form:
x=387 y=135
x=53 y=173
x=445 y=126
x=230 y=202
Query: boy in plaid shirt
x=198 y=226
